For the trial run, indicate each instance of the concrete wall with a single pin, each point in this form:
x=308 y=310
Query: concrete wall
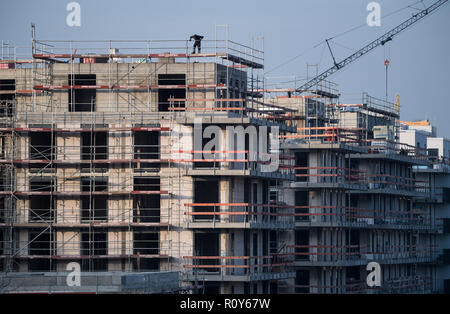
x=414 y=138
x=111 y=282
x=176 y=241
x=440 y=143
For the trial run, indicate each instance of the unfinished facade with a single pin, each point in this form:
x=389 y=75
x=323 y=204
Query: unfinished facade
x=139 y=159
x=357 y=198
x=100 y=165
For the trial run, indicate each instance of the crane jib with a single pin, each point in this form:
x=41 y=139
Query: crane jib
x=377 y=42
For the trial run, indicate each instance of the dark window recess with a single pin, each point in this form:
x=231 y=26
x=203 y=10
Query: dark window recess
x=273 y=242
x=446 y=256
x=255 y=193
x=446 y=223
x=266 y=200
x=353 y=274
x=41 y=206
x=94 y=244
x=353 y=203
x=447 y=286
x=301 y=281
x=211 y=288
x=145 y=264
x=7 y=100
x=207 y=244
x=42 y=146
x=165 y=93
x=94 y=207
x=246 y=190
x=1 y=245
x=255 y=245
x=265 y=285
x=302 y=161
x=41 y=247
x=254 y=201
x=3 y=213
x=265 y=243
x=82 y=99
x=273 y=193
x=354 y=242
x=4 y=148
x=147 y=146
x=274 y=287
x=205 y=191
x=301 y=200
x=146 y=243
x=446 y=195
x=206 y=164
x=354 y=237
x=301 y=238
x=147 y=207
x=246 y=243
x=434 y=152
x=246 y=288
x=265 y=192
x=94 y=146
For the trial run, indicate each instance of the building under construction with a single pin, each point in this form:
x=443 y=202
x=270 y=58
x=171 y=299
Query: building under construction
x=357 y=198
x=101 y=164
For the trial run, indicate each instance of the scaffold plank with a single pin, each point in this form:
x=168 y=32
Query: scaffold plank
x=87 y=129
x=208 y=99
x=224 y=55
x=79 y=193
x=128 y=87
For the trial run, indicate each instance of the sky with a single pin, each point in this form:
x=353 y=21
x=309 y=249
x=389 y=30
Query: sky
x=294 y=33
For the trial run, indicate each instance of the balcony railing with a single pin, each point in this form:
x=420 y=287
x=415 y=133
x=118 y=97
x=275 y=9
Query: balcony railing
x=234 y=265
x=330 y=175
x=240 y=213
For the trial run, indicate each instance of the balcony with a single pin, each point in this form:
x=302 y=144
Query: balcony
x=329 y=177
x=236 y=268
x=239 y=216
x=315 y=255
x=235 y=163
x=340 y=216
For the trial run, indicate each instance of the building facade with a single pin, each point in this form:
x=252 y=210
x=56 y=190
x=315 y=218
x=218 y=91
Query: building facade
x=150 y=161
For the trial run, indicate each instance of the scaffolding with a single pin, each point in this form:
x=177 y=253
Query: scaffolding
x=94 y=167
x=320 y=116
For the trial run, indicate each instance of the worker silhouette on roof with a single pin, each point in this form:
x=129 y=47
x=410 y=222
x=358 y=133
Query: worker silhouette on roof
x=197 y=43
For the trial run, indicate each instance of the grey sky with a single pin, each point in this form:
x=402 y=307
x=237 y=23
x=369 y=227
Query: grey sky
x=419 y=69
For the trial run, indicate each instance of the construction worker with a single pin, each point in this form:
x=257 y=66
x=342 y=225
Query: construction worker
x=197 y=42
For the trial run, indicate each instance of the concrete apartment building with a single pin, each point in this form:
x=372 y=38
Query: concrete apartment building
x=356 y=199
x=436 y=178
x=106 y=161
x=99 y=166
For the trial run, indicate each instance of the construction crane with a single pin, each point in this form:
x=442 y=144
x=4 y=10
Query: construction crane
x=378 y=42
